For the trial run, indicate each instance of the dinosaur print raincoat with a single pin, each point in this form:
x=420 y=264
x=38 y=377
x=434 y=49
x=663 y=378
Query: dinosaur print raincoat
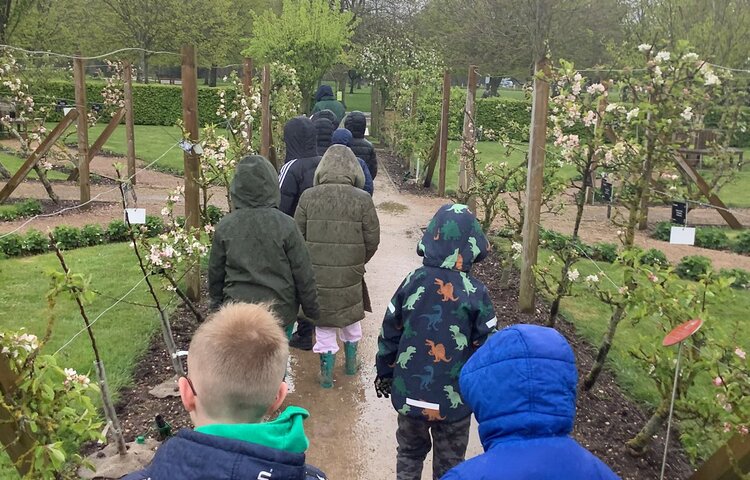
x=436 y=320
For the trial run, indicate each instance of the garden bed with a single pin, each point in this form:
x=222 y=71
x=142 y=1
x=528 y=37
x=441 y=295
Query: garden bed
x=606 y=417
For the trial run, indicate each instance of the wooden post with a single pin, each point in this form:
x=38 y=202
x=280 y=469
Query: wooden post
x=444 y=124
x=129 y=121
x=96 y=147
x=465 y=169
x=534 y=183
x=375 y=119
x=192 y=161
x=79 y=75
x=247 y=86
x=719 y=466
x=265 y=119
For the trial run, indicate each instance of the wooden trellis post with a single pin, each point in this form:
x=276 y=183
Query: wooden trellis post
x=719 y=466
x=192 y=160
x=444 y=124
x=247 y=85
x=79 y=75
x=265 y=122
x=129 y=120
x=534 y=184
x=465 y=169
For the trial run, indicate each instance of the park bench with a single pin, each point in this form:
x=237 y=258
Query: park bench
x=701 y=141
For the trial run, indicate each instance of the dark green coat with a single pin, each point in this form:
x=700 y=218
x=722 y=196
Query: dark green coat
x=342 y=231
x=258 y=254
x=325 y=100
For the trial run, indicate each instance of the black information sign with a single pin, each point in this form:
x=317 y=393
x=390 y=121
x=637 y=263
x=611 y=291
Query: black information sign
x=679 y=213
x=606 y=190
x=587 y=180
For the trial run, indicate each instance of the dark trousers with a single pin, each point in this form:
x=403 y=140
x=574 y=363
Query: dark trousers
x=415 y=439
x=304 y=327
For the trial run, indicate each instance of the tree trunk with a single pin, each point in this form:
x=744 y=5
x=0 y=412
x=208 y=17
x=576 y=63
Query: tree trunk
x=143 y=74
x=46 y=183
x=4 y=173
x=213 y=72
x=606 y=344
x=641 y=441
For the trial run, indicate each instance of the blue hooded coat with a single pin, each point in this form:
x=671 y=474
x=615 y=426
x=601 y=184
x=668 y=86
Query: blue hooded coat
x=522 y=387
x=343 y=136
x=436 y=320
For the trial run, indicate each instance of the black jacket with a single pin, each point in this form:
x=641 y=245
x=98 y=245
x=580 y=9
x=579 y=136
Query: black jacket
x=302 y=159
x=325 y=129
x=356 y=122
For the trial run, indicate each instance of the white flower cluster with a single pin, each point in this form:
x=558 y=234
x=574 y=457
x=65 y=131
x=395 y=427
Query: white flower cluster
x=73 y=377
x=16 y=343
x=517 y=249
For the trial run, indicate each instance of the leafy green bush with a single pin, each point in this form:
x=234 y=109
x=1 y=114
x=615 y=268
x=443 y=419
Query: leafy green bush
x=67 y=238
x=553 y=240
x=35 y=242
x=742 y=242
x=741 y=277
x=713 y=238
x=693 y=267
x=606 y=252
x=117 y=231
x=503 y=115
x=92 y=235
x=11 y=245
x=662 y=231
x=654 y=258
x=26 y=208
x=154 y=225
x=214 y=214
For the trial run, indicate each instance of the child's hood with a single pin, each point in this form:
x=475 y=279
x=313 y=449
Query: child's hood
x=453 y=239
x=255 y=184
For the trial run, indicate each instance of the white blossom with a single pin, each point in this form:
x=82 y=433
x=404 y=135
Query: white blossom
x=632 y=114
x=592 y=279
x=573 y=275
x=662 y=56
x=687 y=114
x=644 y=47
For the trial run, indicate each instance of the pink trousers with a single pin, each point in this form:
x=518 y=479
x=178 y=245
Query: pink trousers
x=325 y=337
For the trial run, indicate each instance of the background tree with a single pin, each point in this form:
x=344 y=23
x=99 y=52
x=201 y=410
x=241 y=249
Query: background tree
x=307 y=35
x=11 y=13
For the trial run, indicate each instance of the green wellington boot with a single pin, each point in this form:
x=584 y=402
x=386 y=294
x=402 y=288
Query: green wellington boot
x=327 y=361
x=352 y=364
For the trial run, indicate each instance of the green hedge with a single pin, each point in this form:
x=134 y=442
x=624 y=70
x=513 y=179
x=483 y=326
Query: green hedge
x=499 y=114
x=153 y=104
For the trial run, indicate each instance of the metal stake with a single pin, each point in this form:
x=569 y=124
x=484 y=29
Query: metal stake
x=671 y=411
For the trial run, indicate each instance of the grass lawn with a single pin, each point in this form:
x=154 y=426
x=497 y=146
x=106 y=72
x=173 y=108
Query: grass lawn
x=489 y=152
x=122 y=334
x=13 y=163
x=735 y=193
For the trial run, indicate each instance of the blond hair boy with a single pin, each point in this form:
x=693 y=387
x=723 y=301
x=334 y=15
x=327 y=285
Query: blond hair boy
x=236 y=368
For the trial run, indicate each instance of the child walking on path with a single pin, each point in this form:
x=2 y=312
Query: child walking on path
x=436 y=320
x=342 y=231
x=258 y=254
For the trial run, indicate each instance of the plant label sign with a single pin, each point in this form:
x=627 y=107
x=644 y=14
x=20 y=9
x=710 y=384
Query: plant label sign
x=679 y=213
x=606 y=191
x=137 y=216
x=682 y=236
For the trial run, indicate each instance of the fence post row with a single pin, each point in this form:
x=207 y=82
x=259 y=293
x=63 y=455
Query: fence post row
x=191 y=159
x=79 y=75
x=534 y=183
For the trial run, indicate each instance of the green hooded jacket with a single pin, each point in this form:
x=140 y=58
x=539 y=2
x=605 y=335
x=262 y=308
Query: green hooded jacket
x=258 y=254
x=342 y=231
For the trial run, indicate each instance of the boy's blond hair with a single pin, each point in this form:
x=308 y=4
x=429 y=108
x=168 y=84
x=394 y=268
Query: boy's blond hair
x=237 y=361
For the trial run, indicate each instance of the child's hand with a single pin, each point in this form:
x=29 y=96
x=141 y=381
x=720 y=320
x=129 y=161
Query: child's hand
x=383 y=386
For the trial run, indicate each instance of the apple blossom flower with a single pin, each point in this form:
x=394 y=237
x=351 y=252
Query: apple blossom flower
x=687 y=114
x=592 y=279
x=632 y=114
x=740 y=353
x=718 y=382
x=662 y=56
x=644 y=47
x=573 y=275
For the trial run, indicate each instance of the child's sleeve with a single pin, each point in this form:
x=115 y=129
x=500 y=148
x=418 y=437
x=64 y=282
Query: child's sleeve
x=289 y=188
x=217 y=271
x=390 y=336
x=485 y=319
x=371 y=231
x=302 y=271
